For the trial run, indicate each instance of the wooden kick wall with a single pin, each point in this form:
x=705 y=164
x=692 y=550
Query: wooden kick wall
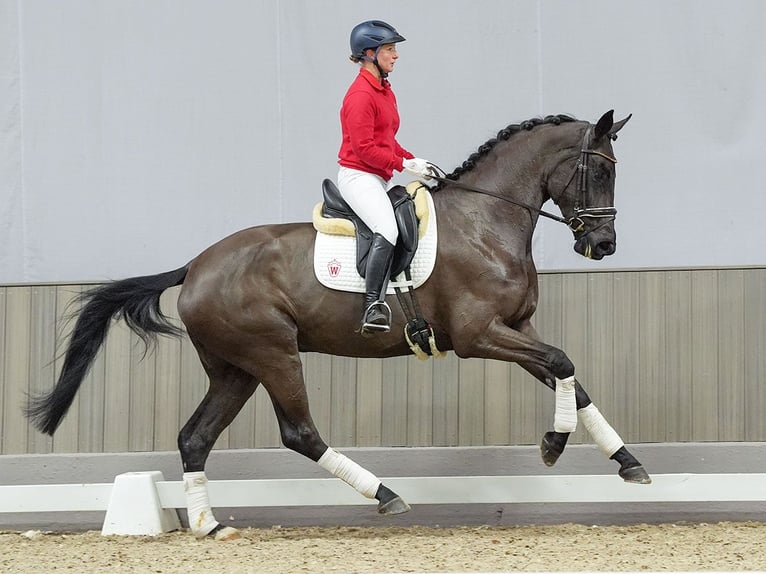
x=667 y=355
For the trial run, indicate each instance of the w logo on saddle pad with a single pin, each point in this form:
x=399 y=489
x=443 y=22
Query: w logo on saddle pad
x=337 y=256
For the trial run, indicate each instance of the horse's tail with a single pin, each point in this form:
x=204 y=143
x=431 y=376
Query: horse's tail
x=137 y=301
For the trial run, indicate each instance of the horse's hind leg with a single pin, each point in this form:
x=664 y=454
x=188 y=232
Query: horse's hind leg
x=284 y=382
x=230 y=387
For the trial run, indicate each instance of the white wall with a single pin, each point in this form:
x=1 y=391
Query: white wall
x=11 y=191
x=136 y=133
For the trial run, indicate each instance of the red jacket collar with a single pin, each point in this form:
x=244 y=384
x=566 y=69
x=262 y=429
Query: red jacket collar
x=374 y=82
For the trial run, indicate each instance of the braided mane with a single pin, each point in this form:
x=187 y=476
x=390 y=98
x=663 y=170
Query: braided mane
x=504 y=134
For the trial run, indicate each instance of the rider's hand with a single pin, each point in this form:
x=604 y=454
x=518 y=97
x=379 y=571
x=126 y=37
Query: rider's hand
x=418 y=167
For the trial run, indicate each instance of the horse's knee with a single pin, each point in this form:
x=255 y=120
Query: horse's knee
x=303 y=440
x=560 y=365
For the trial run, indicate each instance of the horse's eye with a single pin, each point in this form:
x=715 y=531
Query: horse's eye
x=601 y=175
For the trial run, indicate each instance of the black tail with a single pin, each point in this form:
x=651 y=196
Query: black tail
x=135 y=300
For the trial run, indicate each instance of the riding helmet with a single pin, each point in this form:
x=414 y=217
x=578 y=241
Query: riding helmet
x=372 y=34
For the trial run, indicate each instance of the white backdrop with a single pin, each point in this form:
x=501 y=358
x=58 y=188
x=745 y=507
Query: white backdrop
x=133 y=134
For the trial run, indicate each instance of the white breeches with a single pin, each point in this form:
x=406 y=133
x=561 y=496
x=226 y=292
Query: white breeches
x=366 y=194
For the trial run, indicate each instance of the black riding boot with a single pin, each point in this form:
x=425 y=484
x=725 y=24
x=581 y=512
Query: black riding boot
x=377 y=314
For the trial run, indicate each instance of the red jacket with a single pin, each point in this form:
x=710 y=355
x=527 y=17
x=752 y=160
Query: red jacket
x=369 y=120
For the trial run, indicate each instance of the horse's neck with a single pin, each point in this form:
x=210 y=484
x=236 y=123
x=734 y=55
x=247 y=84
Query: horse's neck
x=520 y=181
x=516 y=174
x=473 y=217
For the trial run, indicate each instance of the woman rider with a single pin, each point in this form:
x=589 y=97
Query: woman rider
x=369 y=154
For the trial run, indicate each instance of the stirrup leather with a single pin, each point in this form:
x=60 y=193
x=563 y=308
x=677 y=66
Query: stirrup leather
x=383 y=308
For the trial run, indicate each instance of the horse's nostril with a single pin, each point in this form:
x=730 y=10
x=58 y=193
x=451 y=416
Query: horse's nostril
x=606 y=247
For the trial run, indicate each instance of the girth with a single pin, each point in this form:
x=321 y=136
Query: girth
x=407 y=222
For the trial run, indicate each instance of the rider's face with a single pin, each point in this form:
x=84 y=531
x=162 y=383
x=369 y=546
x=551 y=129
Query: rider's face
x=387 y=56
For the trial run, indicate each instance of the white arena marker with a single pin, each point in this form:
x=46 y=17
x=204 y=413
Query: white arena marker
x=135 y=508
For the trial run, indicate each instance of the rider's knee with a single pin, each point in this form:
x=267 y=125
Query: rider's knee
x=387 y=229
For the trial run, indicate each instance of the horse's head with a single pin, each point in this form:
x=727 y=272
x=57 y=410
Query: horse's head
x=585 y=191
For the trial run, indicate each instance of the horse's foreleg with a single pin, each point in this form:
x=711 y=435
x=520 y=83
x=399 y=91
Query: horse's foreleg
x=564 y=418
x=608 y=441
x=521 y=344
x=602 y=433
x=229 y=390
x=299 y=433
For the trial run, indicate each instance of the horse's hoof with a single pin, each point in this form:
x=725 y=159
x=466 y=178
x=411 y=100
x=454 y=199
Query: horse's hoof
x=636 y=475
x=393 y=506
x=549 y=450
x=226 y=534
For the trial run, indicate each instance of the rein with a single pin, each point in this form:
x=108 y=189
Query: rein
x=575 y=223
x=498 y=196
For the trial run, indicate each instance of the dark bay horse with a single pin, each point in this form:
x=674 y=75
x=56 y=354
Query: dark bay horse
x=250 y=303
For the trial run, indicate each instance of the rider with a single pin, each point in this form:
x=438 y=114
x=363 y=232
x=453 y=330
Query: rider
x=369 y=154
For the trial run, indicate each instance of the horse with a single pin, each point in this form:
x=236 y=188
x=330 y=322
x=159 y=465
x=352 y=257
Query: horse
x=250 y=304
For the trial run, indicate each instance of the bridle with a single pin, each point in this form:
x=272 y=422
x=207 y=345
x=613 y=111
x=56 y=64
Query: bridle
x=581 y=212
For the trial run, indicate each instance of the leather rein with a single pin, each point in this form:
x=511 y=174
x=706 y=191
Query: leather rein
x=576 y=223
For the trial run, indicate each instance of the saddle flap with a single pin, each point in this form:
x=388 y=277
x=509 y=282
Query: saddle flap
x=407 y=223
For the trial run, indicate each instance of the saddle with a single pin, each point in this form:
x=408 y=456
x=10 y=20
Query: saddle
x=335 y=207
x=336 y=225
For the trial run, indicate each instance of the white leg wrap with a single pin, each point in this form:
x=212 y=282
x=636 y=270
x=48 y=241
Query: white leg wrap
x=347 y=470
x=201 y=520
x=607 y=439
x=565 y=417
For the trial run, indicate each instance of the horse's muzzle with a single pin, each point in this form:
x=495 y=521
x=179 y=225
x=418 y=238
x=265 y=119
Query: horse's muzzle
x=592 y=248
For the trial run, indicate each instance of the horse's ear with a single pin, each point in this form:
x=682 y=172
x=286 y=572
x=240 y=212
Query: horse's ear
x=604 y=125
x=618 y=126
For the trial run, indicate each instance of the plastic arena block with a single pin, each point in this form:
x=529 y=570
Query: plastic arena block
x=135 y=508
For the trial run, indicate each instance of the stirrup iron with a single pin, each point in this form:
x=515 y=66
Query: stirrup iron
x=383 y=309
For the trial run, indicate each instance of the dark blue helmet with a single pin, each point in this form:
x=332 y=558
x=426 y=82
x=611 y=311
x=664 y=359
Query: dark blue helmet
x=372 y=34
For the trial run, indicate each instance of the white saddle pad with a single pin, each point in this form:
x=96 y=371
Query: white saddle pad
x=335 y=260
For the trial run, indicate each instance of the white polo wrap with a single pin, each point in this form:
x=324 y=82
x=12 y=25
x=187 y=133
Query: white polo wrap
x=201 y=520
x=565 y=417
x=607 y=439
x=347 y=470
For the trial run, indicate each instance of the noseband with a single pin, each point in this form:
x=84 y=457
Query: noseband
x=577 y=222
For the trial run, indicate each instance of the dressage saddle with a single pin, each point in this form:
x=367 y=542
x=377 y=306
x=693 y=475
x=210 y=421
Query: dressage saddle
x=406 y=220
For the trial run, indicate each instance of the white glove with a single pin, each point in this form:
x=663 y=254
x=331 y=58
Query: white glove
x=418 y=167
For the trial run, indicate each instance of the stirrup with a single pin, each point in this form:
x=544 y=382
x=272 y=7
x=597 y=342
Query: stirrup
x=384 y=310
